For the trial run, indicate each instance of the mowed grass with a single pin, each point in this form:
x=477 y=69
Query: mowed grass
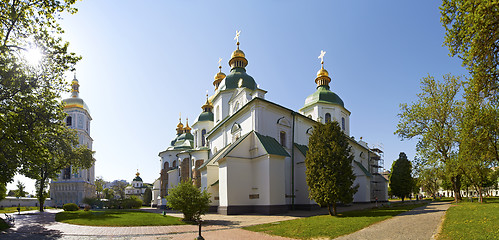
x=116 y=218
x=468 y=220
x=3 y=225
x=326 y=226
x=14 y=209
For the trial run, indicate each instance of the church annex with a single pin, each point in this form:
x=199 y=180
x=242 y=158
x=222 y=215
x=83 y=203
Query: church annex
x=249 y=153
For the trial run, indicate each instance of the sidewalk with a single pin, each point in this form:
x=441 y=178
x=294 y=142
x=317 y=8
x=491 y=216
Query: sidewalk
x=419 y=223
x=36 y=225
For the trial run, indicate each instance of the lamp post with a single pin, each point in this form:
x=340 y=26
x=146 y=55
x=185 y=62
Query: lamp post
x=199 y=237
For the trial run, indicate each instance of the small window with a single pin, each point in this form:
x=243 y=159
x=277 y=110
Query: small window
x=69 y=121
x=343 y=123
x=328 y=117
x=174 y=164
x=166 y=166
x=218 y=113
x=203 y=140
x=282 y=136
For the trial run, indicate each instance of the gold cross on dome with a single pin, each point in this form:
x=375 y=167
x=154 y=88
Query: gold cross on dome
x=219 y=61
x=322 y=56
x=237 y=36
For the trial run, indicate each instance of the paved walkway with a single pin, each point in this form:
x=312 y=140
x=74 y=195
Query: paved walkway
x=34 y=225
x=420 y=223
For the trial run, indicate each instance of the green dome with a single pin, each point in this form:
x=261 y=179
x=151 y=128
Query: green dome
x=185 y=136
x=323 y=95
x=138 y=179
x=235 y=76
x=205 y=116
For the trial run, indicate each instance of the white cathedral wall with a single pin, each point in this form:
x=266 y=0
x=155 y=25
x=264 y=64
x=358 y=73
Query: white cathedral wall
x=277 y=186
x=222 y=183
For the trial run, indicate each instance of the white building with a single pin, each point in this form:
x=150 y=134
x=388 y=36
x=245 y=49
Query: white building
x=73 y=187
x=137 y=188
x=249 y=152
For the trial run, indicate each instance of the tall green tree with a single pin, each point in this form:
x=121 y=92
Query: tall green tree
x=99 y=185
x=20 y=189
x=401 y=181
x=147 y=196
x=29 y=96
x=473 y=35
x=329 y=171
x=119 y=189
x=429 y=181
x=434 y=121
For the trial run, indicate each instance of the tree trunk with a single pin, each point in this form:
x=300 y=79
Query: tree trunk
x=334 y=208
x=41 y=195
x=480 y=194
x=402 y=198
x=329 y=209
x=456 y=187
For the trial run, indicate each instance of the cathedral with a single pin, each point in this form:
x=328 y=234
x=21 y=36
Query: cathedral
x=70 y=186
x=249 y=153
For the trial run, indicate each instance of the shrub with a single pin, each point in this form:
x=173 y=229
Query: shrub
x=87 y=207
x=132 y=202
x=70 y=207
x=189 y=200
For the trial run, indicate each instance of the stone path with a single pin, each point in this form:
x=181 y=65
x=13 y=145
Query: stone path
x=420 y=223
x=34 y=225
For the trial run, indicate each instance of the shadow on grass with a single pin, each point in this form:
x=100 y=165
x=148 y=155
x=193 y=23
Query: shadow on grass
x=90 y=215
x=409 y=209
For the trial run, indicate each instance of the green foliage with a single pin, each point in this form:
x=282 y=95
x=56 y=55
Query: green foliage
x=468 y=220
x=132 y=202
x=117 y=218
x=20 y=190
x=3 y=225
x=429 y=181
x=119 y=189
x=3 y=190
x=99 y=185
x=70 y=207
x=327 y=227
x=434 y=120
x=472 y=34
x=329 y=171
x=188 y=199
x=108 y=193
x=147 y=196
x=401 y=181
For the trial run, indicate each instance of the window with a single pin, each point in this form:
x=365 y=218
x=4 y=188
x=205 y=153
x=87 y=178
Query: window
x=343 y=123
x=166 y=166
x=218 y=113
x=282 y=136
x=174 y=164
x=66 y=173
x=69 y=121
x=203 y=140
x=328 y=117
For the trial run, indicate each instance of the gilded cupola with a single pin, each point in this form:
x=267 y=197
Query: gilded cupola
x=219 y=76
x=238 y=78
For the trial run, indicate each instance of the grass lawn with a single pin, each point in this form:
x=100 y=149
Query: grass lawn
x=116 y=218
x=475 y=220
x=14 y=209
x=331 y=226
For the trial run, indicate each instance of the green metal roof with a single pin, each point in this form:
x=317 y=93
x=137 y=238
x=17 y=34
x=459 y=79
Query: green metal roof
x=237 y=75
x=215 y=183
x=302 y=148
x=363 y=169
x=323 y=95
x=271 y=145
x=205 y=116
x=137 y=179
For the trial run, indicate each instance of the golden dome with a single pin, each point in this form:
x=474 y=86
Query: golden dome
x=180 y=125
x=187 y=129
x=322 y=73
x=237 y=53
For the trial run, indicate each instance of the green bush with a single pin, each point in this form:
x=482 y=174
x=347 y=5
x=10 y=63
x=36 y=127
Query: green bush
x=70 y=207
x=132 y=202
x=189 y=200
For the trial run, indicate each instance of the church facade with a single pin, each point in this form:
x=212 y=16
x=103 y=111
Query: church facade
x=71 y=186
x=249 y=153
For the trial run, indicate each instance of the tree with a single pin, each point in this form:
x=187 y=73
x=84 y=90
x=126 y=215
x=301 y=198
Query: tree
x=99 y=186
x=20 y=190
x=29 y=99
x=428 y=178
x=329 y=172
x=108 y=193
x=472 y=34
x=434 y=120
x=147 y=196
x=119 y=189
x=401 y=182
x=188 y=199
x=3 y=190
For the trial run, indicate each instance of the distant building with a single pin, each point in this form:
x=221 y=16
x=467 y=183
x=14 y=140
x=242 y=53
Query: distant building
x=73 y=187
x=137 y=188
x=156 y=198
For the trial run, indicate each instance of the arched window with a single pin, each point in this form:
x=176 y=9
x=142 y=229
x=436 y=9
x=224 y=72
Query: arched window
x=174 y=164
x=69 y=121
x=343 y=123
x=328 y=117
x=203 y=140
x=282 y=136
x=166 y=166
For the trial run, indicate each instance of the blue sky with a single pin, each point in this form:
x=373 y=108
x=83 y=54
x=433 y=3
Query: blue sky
x=146 y=61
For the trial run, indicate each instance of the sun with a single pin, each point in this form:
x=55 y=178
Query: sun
x=33 y=56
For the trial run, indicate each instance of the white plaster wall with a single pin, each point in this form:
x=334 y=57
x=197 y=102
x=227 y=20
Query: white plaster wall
x=364 y=190
x=173 y=178
x=276 y=183
x=260 y=182
x=223 y=182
